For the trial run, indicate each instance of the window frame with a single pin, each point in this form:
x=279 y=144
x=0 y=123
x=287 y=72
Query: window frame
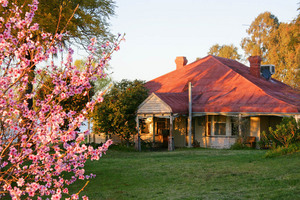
x=211 y=122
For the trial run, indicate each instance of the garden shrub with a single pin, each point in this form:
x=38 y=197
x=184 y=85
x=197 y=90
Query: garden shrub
x=281 y=150
x=285 y=139
x=238 y=145
x=285 y=134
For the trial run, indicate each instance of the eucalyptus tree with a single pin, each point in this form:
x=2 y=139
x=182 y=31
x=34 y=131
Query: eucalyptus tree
x=277 y=43
x=260 y=32
x=225 y=51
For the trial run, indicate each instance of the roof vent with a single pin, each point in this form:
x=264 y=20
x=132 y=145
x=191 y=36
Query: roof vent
x=267 y=71
x=180 y=62
x=270 y=68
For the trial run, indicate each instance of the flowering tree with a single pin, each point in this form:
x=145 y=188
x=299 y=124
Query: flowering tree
x=38 y=158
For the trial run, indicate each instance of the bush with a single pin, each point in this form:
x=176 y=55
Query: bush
x=281 y=150
x=285 y=139
x=238 y=145
x=285 y=134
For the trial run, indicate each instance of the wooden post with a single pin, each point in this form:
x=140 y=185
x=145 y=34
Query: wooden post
x=206 y=130
x=228 y=126
x=170 y=144
x=138 y=142
x=212 y=125
x=190 y=115
x=153 y=129
x=240 y=124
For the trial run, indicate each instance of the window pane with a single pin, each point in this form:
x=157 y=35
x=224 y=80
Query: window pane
x=234 y=126
x=220 y=128
x=208 y=128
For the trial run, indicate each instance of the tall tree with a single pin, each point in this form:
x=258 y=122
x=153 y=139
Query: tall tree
x=284 y=53
x=90 y=19
x=260 y=31
x=226 y=51
x=116 y=114
x=277 y=43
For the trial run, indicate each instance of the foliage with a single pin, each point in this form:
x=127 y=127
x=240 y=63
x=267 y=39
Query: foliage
x=239 y=145
x=89 y=21
x=284 y=53
x=37 y=157
x=259 y=33
x=282 y=150
x=277 y=43
x=285 y=134
x=122 y=148
x=99 y=84
x=116 y=114
x=75 y=102
x=225 y=51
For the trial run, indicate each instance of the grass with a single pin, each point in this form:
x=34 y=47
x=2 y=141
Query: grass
x=193 y=174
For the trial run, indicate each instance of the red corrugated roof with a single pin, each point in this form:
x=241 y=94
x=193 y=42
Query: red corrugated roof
x=223 y=85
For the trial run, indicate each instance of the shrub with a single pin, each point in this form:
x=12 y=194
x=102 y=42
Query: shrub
x=238 y=145
x=285 y=139
x=282 y=150
x=285 y=134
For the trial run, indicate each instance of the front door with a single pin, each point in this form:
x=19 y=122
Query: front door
x=163 y=131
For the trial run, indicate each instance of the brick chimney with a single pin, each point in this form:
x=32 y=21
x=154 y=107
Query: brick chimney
x=255 y=65
x=180 y=61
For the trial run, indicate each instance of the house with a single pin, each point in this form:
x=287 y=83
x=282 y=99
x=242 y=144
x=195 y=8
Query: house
x=212 y=102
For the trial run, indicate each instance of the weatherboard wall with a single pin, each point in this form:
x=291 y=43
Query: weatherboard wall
x=153 y=105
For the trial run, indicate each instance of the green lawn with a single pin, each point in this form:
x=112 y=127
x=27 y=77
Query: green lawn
x=193 y=174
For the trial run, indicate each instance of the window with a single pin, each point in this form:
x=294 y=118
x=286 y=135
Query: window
x=234 y=126
x=220 y=125
x=216 y=125
x=208 y=132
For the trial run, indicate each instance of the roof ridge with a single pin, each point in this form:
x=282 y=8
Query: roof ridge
x=215 y=76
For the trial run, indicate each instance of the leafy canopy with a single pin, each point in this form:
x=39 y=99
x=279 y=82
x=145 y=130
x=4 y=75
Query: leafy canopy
x=225 y=51
x=260 y=32
x=277 y=43
x=116 y=114
x=90 y=19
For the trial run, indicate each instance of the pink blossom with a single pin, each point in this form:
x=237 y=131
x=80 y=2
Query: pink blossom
x=33 y=152
x=66 y=191
x=85 y=198
x=20 y=182
x=56 y=197
x=100 y=97
x=63 y=95
x=75 y=196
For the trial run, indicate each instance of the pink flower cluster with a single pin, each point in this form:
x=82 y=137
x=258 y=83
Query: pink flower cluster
x=36 y=153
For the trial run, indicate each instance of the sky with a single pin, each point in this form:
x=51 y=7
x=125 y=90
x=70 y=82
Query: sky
x=159 y=30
